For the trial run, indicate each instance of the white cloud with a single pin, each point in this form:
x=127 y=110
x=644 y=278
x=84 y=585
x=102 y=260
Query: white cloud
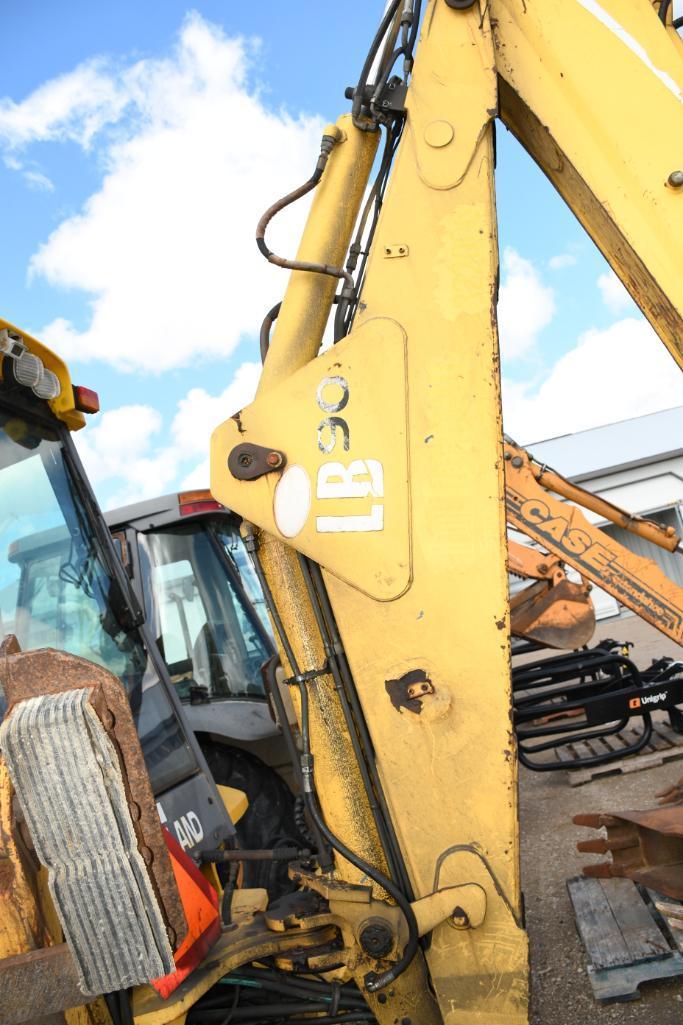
x=562 y=261
x=164 y=249
x=199 y=413
x=525 y=306
x=73 y=106
x=614 y=295
x=38 y=181
x=128 y=456
x=610 y=375
x=118 y=450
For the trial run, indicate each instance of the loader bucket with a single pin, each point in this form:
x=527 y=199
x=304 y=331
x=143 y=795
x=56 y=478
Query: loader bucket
x=557 y=616
x=646 y=846
x=73 y=754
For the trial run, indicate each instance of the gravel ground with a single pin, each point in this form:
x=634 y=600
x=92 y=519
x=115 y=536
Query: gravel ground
x=561 y=992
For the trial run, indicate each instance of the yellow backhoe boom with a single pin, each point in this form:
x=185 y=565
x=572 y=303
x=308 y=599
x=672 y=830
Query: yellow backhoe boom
x=380 y=460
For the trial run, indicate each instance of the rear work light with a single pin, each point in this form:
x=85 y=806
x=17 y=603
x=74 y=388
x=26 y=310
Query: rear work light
x=86 y=400
x=192 y=502
x=28 y=369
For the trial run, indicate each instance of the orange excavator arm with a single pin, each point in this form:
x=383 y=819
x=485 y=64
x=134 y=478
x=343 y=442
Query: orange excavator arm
x=524 y=561
x=563 y=529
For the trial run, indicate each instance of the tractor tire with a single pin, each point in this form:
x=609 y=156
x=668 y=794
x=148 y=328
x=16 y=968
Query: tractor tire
x=270 y=819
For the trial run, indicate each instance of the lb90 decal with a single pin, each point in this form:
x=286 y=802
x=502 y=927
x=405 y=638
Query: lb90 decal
x=360 y=479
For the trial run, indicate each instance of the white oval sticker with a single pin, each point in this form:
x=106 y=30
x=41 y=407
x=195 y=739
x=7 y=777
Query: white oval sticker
x=292 y=501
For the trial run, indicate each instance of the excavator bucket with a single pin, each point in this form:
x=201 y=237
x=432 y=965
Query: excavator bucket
x=73 y=754
x=672 y=794
x=556 y=615
x=646 y=846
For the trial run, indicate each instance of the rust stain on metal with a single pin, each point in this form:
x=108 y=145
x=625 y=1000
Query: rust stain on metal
x=9 y=646
x=646 y=846
x=46 y=671
x=558 y=615
x=408 y=690
x=671 y=794
x=38 y=983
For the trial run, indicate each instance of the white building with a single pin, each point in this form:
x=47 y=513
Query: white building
x=636 y=464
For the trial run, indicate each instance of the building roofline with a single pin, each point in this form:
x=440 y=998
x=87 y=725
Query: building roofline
x=598 y=427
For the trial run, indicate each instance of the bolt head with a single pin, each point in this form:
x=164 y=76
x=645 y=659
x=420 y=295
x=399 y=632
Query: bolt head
x=274 y=459
x=460 y=919
x=376 y=939
x=675 y=179
x=245 y=459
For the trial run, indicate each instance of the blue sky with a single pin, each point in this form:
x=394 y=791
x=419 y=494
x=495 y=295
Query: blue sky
x=138 y=145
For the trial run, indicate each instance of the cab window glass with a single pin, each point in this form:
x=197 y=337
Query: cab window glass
x=55 y=586
x=234 y=547
x=206 y=630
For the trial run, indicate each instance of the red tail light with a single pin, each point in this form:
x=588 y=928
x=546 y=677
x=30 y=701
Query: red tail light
x=192 y=502
x=85 y=399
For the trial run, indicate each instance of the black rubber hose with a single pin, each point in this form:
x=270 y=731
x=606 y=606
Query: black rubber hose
x=377 y=813
x=317 y=987
x=300 y=820
x=354 y=1017
x=373 y=982
x=118 y=1005
x=323 y=853
x=260 y=1011
x=293 y=988
x=384 y=77
x=226 y=902
x=327 y=145
x=266 y=327
x=372 y=52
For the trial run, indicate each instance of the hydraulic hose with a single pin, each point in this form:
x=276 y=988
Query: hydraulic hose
x=266 y=327
x=358 y=95
x=329 y=140
x=373 y=982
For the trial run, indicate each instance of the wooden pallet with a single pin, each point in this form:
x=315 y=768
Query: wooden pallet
x=626 y=939
x=664 y=746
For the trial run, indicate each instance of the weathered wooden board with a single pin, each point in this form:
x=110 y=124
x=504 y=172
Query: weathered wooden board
x=622 y=937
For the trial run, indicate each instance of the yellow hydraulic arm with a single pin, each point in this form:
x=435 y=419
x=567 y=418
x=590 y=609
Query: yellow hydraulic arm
x=367 y=474
x=561 y=527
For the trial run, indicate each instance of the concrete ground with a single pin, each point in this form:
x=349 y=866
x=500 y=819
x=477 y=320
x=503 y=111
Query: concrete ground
x=648 y=642
x=561 y=992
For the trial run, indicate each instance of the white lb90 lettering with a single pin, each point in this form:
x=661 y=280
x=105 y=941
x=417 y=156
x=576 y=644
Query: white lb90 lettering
x=362 y=478
x=331 y=424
